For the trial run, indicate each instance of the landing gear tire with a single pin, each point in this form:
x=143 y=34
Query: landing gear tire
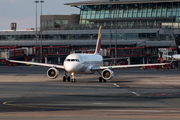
x=64 y=79
x=100 y=79
x=73 y=81
x=68 y=79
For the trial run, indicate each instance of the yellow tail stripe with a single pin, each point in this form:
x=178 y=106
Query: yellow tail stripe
x=100 y=30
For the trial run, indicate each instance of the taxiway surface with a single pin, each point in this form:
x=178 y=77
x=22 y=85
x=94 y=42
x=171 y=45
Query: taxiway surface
x=26 y=93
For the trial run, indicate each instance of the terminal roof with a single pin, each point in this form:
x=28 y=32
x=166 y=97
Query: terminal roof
x=102 y=2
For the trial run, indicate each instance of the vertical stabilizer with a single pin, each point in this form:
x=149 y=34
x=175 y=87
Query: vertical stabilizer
x=98 y=45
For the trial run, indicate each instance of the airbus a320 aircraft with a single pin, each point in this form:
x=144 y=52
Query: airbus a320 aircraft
x=83 y=64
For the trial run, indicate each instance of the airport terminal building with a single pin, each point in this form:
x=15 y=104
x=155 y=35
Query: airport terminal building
x=131 y=28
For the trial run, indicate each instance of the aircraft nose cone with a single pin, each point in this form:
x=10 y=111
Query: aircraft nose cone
x=70 y=67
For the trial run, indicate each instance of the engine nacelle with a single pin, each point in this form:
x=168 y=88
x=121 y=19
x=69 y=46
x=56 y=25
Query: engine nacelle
x=107 y=74
x=53 y=73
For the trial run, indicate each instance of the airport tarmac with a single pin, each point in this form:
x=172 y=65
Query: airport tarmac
x=26 y=93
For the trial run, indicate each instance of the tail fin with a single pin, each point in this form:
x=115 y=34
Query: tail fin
x=98 y=45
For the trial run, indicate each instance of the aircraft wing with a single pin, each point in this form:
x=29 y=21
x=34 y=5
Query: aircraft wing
x=124 y=66
x=105 y=59
x=38 y=64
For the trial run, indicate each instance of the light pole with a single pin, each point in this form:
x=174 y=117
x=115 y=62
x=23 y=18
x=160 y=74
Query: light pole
x=116 y=29
x=178 y=18
x=41 y=29
x=36 y=23
x=110 y=21
x=172 y=26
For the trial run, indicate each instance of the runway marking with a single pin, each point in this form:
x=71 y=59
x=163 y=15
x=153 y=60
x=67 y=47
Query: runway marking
x=4 y=103
x=42 y=93
x=118 y=86
x=135 y=93
x=10 y=103
x=100 y=103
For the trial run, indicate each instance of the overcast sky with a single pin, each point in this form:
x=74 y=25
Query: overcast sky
x=23 y=12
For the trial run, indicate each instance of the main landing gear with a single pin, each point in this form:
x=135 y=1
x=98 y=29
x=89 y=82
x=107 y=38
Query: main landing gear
x=101 y=79
x=68 y=78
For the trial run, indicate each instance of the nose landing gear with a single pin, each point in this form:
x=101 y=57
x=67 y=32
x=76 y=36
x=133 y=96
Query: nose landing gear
x=68 y=78
x=73 y=80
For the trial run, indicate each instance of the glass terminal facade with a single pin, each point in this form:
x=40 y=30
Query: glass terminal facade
x=129 y=16
x=57 y=35
x=117 y=11
x=139 y=28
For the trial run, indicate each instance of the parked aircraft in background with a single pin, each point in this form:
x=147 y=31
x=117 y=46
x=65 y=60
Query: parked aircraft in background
x=176 y=56
x=83 y=64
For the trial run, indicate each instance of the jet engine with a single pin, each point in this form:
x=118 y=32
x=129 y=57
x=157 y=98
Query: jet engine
x=107 y=74
x=53 y=73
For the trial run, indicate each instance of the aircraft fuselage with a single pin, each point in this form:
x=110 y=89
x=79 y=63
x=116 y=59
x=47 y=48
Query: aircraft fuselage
x=82 y=63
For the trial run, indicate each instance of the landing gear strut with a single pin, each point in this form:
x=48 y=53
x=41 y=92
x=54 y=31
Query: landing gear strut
x=73 y=80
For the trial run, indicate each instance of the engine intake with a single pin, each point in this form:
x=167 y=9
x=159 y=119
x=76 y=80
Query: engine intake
x=107 y=74
x=53 y=73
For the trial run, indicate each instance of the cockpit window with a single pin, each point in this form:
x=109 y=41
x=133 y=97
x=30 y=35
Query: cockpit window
x=73 y=60
x=77 y=60
x=68 y=60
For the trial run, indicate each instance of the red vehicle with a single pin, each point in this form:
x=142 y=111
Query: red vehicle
x=122 y=63
x=160 y=60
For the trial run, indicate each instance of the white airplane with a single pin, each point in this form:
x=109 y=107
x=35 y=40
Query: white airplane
x=175 y=56
x=83 y=64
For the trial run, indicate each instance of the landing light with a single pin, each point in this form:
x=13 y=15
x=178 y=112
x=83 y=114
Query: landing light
x=72 y=73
